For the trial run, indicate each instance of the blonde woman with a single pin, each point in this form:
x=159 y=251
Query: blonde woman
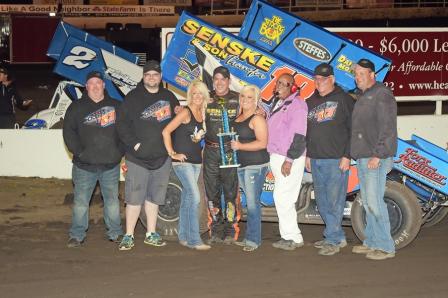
x=185 y=150
x=254 y=159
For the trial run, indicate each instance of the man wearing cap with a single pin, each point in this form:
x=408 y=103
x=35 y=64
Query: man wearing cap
x=9 y=99
x=328 y=154
x=373 y=145
x=223 y=219
x=90 y=135
x=286 y=146
x=144 y=114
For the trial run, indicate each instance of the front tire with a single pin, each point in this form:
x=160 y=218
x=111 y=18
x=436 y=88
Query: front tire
x=404 y=214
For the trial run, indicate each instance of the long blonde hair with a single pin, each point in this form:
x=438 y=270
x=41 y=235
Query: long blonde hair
x=202 y=88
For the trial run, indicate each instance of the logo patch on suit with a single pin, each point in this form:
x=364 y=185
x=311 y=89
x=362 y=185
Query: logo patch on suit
x=159 y=111
x=323 y=112
x=102 y=117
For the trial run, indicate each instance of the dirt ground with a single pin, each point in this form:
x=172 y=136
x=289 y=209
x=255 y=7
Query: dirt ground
x=35 y=262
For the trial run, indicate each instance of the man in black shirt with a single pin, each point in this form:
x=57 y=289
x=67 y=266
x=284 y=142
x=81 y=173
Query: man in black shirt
x=224 y=219
x=144 y=114
x=9 y=99
x=328 y=154
x=90 y=135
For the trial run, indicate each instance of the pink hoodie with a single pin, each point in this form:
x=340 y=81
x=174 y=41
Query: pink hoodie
x=285 y=123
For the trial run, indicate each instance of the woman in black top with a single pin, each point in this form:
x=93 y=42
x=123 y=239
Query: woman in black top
x=254 y=159
x=184 y=147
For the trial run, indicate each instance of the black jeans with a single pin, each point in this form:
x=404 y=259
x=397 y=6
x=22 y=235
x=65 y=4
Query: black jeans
x=223 y=218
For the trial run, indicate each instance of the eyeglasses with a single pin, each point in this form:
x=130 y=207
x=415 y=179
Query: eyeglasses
x=283 y=84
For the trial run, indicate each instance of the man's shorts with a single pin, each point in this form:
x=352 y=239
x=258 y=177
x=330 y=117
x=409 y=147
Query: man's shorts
x=142 y=184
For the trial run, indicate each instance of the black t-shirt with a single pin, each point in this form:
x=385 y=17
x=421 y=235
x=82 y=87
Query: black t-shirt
x=183 y=143
x=247 y=135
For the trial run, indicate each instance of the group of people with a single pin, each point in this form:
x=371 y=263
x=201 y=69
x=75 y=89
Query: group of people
x=321 y=134
x=9 y=100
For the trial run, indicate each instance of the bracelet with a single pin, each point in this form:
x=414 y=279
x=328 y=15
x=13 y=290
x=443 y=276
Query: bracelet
x=172 y=153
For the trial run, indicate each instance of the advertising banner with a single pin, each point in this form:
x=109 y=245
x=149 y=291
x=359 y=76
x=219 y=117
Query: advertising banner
x=78 y=53
x=168 y=2
x=131 y=10
x=55 y=2
x=419 y=55
x=197 y=48
x=302 y=43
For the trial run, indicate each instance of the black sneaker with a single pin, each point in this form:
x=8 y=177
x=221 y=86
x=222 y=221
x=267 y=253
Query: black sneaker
x=214 y=240
x=74 y=243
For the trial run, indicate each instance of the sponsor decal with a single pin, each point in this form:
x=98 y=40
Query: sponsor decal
x=103 y=117
x=345 y=64
x=228 y=50
x=272 y=29
x=312 y=49
x=323 y=112
x=269 y=182
x=420 y=165
x=187 y=71
x=159 y=111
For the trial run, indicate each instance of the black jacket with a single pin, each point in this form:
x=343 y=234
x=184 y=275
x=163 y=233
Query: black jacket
x=90 y=133
x=329 y=125
x=142 y=118
x=374 y=124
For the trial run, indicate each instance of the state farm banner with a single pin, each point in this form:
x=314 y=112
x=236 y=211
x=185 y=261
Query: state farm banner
x=302 y=43
x=114 y=2
x=168 y=2
x=55 y=2
x=198 y=47
x=419 y=55
x=101 y=10
x=78 y=53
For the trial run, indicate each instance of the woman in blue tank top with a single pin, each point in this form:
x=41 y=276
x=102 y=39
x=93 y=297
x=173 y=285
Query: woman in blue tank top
x=254 y=159
x=185 y=149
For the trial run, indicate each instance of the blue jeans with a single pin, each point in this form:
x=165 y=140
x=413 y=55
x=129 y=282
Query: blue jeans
x=330 y=188
x=188 y=175
x=373 y=184
x=84 y=184
x=251 y=180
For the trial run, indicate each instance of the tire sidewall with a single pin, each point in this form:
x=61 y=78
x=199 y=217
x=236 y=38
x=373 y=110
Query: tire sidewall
x=410 y=210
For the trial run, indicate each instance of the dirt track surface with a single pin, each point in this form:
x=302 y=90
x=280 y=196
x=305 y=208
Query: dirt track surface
x=36 y=263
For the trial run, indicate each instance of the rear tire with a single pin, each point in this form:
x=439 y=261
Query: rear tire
x=404 y=214
x=436 y=218
x=168 y=216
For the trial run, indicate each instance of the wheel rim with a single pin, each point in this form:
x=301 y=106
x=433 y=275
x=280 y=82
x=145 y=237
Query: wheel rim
x=395 y=216
x=170 y=211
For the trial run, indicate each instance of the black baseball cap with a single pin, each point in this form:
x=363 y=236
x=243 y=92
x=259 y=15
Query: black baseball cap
x=94 y=74
x=152 y=65
x=366 y=63
x=224 y=71
x=323 y=69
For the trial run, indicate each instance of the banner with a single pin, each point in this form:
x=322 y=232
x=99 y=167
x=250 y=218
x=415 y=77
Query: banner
x=114 y=2
x=168 y=2
x=302 y=43
x=90 y=9
x=197 y=48
x=78 y=53
x=55 y=2
x=419 y=55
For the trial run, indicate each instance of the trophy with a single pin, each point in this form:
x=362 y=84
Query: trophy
x=228 y=159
